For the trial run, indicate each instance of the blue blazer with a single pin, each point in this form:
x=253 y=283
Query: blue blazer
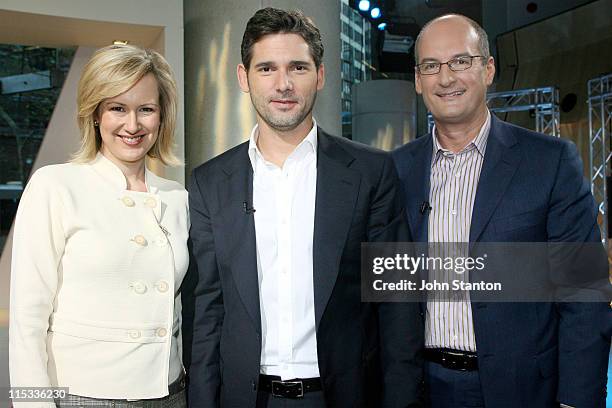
x=531 y=189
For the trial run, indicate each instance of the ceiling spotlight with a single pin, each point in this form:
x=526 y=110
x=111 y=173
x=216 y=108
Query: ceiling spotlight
x=364 y=5
x=375 y=12
x=382 y=26
x=120 y=42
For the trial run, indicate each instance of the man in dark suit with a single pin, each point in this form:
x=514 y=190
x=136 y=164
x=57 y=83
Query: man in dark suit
x=478 y=179
x=276 y=229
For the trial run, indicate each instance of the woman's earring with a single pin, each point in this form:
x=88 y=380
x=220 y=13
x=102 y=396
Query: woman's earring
x=96 y=124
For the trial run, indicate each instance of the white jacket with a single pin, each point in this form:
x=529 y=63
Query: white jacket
x=95 y=277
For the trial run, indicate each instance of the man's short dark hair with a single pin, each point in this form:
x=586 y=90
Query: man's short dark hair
x=276 y=21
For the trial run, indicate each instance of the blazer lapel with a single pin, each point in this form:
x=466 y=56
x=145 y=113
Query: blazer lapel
x=337 y=189
x=416 y=186
x=240 y=227
x=502 y=158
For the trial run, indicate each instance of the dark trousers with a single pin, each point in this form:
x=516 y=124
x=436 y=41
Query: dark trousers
x=447 y=388
x=310 y=400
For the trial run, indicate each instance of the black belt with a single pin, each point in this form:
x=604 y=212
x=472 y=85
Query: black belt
x=453 y=359
x=295 y=388
x=178 y=385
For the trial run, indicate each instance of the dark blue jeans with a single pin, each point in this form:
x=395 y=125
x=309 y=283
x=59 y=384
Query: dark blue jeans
x=447 y=388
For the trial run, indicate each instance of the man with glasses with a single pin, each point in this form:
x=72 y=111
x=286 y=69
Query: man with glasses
x=476 y=178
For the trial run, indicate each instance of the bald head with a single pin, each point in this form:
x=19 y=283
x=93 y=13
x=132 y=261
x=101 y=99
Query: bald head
x=454 y=19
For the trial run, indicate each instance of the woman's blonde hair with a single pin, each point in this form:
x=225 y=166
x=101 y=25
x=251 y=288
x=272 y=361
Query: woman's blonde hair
x=113 y=70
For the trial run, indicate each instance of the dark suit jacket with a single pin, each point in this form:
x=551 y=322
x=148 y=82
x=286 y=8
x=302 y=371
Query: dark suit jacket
x=531 y=189
x=362 y=348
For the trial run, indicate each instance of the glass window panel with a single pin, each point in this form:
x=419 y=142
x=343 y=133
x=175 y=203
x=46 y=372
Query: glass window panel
x=32 y=78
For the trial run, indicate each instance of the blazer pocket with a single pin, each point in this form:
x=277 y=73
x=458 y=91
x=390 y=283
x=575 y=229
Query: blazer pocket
x=110 y=331
x=520 y=221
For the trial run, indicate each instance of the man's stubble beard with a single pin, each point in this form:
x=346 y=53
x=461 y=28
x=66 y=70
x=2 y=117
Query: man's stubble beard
x=283 y=124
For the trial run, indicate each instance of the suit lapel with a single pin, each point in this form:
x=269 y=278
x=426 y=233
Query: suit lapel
x=416 y=188
x=502 y=158
x=415 y=173
x=337 y=189
x=240 y=228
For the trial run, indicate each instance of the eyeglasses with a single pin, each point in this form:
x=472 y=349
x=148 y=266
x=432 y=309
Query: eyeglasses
x=456 y=64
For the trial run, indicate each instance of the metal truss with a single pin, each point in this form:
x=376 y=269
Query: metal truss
x=543 y=101
x=600 y=126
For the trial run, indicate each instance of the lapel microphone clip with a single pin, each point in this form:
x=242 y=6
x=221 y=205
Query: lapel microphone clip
x=424 y=207
x=247 y=209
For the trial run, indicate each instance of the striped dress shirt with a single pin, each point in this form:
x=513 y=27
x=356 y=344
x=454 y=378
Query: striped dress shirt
x=453 y=184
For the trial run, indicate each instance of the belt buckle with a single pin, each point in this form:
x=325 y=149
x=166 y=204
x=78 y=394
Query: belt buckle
x=292 y=386
x=455 y=361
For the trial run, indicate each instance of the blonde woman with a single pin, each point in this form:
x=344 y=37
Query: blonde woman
x=100 y=248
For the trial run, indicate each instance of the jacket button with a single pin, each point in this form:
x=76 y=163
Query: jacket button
x=128 y=202
x=161 y=332
x=140 y=240
x=139 y=287
x=134 y=334
x=150 y=202
x=162 y=286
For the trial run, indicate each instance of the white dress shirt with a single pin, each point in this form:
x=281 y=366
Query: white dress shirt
x=284 y=202
x=95 y=277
